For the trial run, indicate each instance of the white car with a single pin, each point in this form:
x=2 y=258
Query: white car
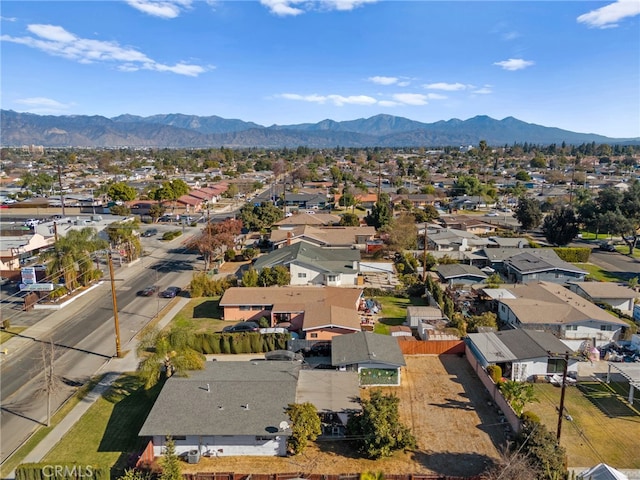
x=492 y=214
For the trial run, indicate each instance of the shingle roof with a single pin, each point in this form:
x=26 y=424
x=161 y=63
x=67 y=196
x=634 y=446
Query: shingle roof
x=456 y=270
x=311 y=297
x=185 y=407
x=518 y=344
x=334 y=260
x=310 y=219
x=366 y=347
x=539 y=260
x=606 y=290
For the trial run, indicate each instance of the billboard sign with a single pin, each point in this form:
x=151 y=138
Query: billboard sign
x=28 y=275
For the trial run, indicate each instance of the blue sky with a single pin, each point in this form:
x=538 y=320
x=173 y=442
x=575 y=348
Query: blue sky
x=573 y=65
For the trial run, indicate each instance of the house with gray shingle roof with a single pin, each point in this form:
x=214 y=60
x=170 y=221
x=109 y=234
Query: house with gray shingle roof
x=460 y=273
x=313 y=265
x=618 y=296
x=377 y=358
x=229 y=408
x=521 y=353
x=541 y=264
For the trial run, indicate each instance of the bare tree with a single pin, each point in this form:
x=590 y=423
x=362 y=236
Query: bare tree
x=513 y=465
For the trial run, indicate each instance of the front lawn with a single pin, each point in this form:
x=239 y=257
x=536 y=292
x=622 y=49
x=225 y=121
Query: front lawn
x=603 y=426
x=201 y=315
x=598 y=274
x=394 y=312
x=107 y=434
x=10 y=333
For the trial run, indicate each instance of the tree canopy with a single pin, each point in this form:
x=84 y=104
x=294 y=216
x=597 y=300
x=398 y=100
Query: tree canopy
x=121 y=192
x=528 y=213
x=560 y=226
x=381 y=212
x=305 y=425
x=258 y=217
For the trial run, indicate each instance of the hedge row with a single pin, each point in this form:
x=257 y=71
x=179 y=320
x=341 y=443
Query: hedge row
x=246 y=342
x=573 y=254
x=61 y=471
x=171 y=235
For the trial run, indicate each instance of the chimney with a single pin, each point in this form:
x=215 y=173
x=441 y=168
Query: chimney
x=288 y=238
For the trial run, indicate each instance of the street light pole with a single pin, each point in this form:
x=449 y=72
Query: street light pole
x=564 y=386
x=115 y=305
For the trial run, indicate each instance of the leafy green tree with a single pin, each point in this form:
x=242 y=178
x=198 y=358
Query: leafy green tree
x=523 y=176
x=250 y=278
x=133 y=474
x=467 y=185
x=305 y=425
x=403 y=232
x=377 y=428
x=165 y=354
x=123 y=235
x=560 y=226
x=170 y=462
x=258 y=217
x=528 y=213
x=381 y=212
x=494 y=280
x=349 y=220
x=156 y=211
x=487 y=319
x=369 y=475
x=121 y=192
x=541 y=447
x=518 y=394
x=37 y=182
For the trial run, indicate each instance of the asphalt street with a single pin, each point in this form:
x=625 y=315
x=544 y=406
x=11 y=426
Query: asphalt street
x=82 y=338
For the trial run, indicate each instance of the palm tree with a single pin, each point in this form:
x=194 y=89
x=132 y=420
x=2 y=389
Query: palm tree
x=165 y=354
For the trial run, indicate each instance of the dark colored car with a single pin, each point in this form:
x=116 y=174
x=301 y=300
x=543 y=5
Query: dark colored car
x=607 y=247
x=150 y=233
x=170 y=292
x=242 y=327
x=149 y=291
x=320 y=349
x=284 y=355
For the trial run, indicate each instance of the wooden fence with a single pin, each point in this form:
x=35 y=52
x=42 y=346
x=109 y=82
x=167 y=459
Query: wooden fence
x=314 y=476
x=147 y=456
x=432 y=347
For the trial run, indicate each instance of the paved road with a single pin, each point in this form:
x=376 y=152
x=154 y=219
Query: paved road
x=623 y=265
x=83 y=340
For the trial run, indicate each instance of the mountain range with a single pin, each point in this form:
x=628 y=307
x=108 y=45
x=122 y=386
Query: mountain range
x=192 y=131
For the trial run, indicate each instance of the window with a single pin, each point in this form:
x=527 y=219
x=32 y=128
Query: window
x=302 y=275
x=257 y=307
x=332 y=278
x=244 y=308
x=606 y=328
x=179 y=437
x=572 y=327
x=555 y=365
x=313 y=335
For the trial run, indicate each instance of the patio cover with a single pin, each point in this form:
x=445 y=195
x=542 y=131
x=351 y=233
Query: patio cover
x=602 y=471
x=630 y=371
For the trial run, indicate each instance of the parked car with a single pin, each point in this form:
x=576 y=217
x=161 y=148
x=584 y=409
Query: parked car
x=607 y=247
x=320 y=349
x=492 y=214
x=150 y=233
x=283 y=355
x=170 y=292
x=149 y=291
x=242 y=327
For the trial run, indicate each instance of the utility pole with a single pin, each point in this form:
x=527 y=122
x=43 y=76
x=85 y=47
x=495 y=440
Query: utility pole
x=60 y=183
x=115 y=305
x=424 y=255
x=564 y=386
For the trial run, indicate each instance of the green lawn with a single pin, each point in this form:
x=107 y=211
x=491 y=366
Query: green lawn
x=107 y=434
x=201 y=314
x=394 y=312
x=598 y=274
x=604 y=427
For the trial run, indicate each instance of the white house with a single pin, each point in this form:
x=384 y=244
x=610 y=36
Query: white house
x=549 y=306
x=618 y=296
x=521 y=353
x=229 y=408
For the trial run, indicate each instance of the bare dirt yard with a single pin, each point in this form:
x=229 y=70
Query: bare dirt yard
x=443 y=403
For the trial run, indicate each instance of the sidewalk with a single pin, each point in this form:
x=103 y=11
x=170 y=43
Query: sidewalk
x=112 y=369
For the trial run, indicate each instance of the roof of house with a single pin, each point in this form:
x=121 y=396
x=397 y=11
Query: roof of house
x=328 y=316
x=226 y=398
x=510 y=242
x=540 y=260
x=310 y=296
x=457 y=270
x=606 y=290
x=310 y=219
x=334 y=260
x=366 y=347
x=445 y=236
x=426 y=312
x=552 y=304
x=329 y=390
x=518 y=344
x=340 y=236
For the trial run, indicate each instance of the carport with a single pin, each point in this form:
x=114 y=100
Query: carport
x=630 y=371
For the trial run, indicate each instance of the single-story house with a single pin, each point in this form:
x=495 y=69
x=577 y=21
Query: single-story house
x=346 y=237
x=541 y=264
x=453 y=273
x=305 y=200
x=426 y=320
x=229 y=408
x=377 y=358
x=521 y=354
x=552 y=307
x=310 y=264
x=468 y=223
x=317 y=313
x=602 y=471
x=618 y=296
x=303 y=218
x=449 y=239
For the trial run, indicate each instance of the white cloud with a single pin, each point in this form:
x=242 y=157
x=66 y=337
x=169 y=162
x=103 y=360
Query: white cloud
x=485 y=90
x=404 y=83
x=508 y=36
x=609 y=15
x=338 y=100
x=448 y=87
x=8 y=19
x=388 y=103
x=436 y=96
x=43 y=105
x=383 y=80
x=282 y=7
x=161 y=8
x=57 y=41
x=297 y=7
x=410 y=98
x=514 y=64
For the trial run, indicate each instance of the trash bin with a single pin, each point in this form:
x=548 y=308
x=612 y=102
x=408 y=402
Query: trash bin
x=193 y=456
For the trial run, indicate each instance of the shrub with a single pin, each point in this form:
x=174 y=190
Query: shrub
x=495 y=372
x=171 y=235
x=6 y=324
x=530 y=417
x=573 y=254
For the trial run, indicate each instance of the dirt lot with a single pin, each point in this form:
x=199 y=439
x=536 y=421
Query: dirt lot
x=445 y=406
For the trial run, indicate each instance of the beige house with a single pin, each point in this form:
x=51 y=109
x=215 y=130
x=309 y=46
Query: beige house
x=323 y=236
x=317 y=313
x=618 y=296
